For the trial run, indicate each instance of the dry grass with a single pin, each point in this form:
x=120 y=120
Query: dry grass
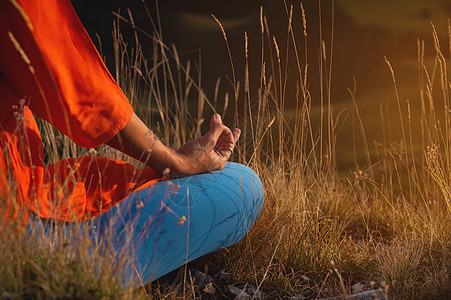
x=387 y=224
x=59 y=265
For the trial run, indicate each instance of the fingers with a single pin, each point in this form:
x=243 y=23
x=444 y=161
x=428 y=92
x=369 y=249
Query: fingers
x=212 y=150
x=221 y=133
x=229 y=137
x=226 y=143
x=236 y=134
x=221 y=138
x=216 y=129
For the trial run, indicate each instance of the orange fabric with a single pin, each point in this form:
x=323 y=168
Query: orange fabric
x=47 y=59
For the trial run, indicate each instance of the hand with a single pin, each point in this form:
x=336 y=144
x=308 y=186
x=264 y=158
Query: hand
x=209 y=152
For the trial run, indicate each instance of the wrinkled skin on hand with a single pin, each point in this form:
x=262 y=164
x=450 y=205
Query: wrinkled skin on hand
x=211 y=151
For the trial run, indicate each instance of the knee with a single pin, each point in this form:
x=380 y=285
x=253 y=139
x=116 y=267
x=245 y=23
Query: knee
x=251 y=187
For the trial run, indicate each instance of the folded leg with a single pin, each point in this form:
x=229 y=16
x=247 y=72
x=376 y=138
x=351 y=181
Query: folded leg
x=179 y=220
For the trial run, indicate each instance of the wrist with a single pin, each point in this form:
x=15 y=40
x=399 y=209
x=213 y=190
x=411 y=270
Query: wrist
x=179 y=164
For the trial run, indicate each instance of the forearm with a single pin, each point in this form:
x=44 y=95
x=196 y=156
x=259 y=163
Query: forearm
x=207 y=153
x=139 y=142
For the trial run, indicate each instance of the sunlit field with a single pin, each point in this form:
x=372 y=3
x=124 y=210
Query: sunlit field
x=348 y=199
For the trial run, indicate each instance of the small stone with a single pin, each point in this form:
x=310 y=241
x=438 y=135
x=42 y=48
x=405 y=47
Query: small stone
x=298 y=297
x=6 y=296
x=201 y=280
x=240 y=294
x=223 y=276
x=251 y=290
x=209 y=289
x=371 y=295
x=367 y=295
x=357 y=288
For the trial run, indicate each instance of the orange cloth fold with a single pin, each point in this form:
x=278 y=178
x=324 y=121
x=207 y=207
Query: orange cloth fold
x=48 y=60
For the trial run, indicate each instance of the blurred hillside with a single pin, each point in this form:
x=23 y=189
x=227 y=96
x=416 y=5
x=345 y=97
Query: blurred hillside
x=364 y=32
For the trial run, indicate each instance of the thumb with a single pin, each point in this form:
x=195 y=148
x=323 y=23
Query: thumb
x=216 y=128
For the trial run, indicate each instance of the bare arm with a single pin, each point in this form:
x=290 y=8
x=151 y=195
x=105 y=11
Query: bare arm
x=206 y=153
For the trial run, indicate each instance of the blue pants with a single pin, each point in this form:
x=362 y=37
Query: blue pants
x=176 y=221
